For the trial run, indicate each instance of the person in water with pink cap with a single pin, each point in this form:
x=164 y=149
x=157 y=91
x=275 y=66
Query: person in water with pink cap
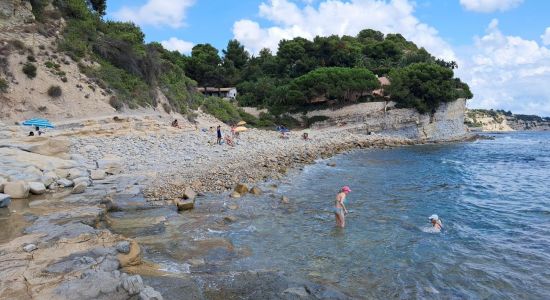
x=340 y=210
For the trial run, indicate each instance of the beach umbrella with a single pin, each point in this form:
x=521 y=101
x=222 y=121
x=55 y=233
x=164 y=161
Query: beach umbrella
x=241 y=123
x=38 y=122
x=240 y=129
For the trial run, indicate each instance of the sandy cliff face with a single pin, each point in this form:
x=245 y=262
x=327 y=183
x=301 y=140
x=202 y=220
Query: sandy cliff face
x=488 y=120
x=382 y=117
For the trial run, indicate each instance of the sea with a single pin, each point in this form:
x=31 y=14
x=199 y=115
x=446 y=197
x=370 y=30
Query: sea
x=492 y=195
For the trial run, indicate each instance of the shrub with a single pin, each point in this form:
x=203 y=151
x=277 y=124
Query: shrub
x=41 y=47
x=19 y=45
x=315 y=119
x=49 y=64
x=31 y=58
x=42 y=108
x=192 y=117
x=54 y=91
x=115 y=103
x=3 y=85
x=221 y=109
x=30 y=70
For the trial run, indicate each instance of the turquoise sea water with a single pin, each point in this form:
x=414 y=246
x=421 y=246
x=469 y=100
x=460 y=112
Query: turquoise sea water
x=492 y=195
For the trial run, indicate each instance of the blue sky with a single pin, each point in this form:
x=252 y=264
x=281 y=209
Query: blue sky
x=501 y=46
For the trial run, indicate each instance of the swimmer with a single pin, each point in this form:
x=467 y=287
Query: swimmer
x=339 y=208
x=436 y=223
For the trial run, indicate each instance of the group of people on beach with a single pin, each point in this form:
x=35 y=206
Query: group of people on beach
x=340 y=211
x=36 y=131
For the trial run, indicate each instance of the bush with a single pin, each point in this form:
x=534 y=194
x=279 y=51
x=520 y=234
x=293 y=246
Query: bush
x=19 y=45
x=49 y=64
x=54 y=91
x=115 y=103
x=31 y=58
x=3 y=85
x=30 y=70
x=314 y=119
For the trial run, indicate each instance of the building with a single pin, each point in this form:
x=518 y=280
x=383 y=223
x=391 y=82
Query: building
x=225 y=93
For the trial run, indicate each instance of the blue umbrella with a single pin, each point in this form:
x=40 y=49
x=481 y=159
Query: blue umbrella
x=39 y=123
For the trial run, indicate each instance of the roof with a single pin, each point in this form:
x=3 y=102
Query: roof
x=214 y=89
x=384 y=80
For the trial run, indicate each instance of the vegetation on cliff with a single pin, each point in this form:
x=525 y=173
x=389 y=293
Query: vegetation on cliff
x=301 y=75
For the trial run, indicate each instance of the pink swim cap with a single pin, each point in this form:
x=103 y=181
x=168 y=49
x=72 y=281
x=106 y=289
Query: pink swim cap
x=346 y=189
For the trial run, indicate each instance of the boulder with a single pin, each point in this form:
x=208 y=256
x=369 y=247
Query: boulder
x=235 y=195
x=184 y=204
x=77 y=173
x=5 y=200
x=64 y=182
x=29 y=248
x=133 y=258
x=98 y=174
x=79 y=188
x=37 y=188
x=256 y=191
x=62 y=173
x=112 y=164
x=148 y=293
x=189 y=194
x=123 y=247
x=48 y=178
x=85 y=180
x=17 y=189
x=241 y=188
x=133 y=284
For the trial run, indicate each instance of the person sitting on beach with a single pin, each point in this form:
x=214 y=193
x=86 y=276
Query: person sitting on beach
x=175 y=123
x=436 y=223
x=38 y=131
x=339 y=208
x=229 y=140
x=31 y=133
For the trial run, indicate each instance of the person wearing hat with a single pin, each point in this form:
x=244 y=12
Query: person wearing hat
x=436 y=222
x=340 y=210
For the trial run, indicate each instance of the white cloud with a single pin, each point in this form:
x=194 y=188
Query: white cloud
x=156 y=12
x=507 y=72
x=175 y=44
x=487 y=6
x=337 y=17
x=546 y=36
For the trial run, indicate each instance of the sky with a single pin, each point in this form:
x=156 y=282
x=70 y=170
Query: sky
x=502 y=46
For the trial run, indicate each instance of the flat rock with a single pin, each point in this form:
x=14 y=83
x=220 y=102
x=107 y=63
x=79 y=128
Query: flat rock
x=37 y=188
x=112 y=164
x=235 y=195
x=98 y=174
x=148 y=293
x=77 y=173
x=85 y=180
x=5 y=200
x=189 y=194
x=17 y=189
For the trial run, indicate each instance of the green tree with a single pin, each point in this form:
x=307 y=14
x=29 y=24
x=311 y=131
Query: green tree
x=236 y=53
x=424 y=86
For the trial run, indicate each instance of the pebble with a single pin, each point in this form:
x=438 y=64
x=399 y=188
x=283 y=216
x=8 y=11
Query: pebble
x=30 y=248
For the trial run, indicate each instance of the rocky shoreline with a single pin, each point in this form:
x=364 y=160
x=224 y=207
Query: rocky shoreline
x=67 y=251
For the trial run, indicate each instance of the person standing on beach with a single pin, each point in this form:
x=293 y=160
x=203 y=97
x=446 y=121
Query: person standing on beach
x=340 y=210
x=219 y=132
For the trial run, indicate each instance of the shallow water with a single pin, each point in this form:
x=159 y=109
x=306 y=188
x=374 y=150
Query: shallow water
x=492 y=195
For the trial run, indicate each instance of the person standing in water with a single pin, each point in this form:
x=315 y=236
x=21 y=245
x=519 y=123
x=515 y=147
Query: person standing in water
x=339 y=208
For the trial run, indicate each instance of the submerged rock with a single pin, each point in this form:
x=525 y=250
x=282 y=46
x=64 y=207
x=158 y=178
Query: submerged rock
x=256 y=191
x=5 y=200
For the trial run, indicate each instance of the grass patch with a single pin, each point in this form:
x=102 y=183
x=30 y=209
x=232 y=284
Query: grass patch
x=30 y=70
x=3 y=85
x=55 y=91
